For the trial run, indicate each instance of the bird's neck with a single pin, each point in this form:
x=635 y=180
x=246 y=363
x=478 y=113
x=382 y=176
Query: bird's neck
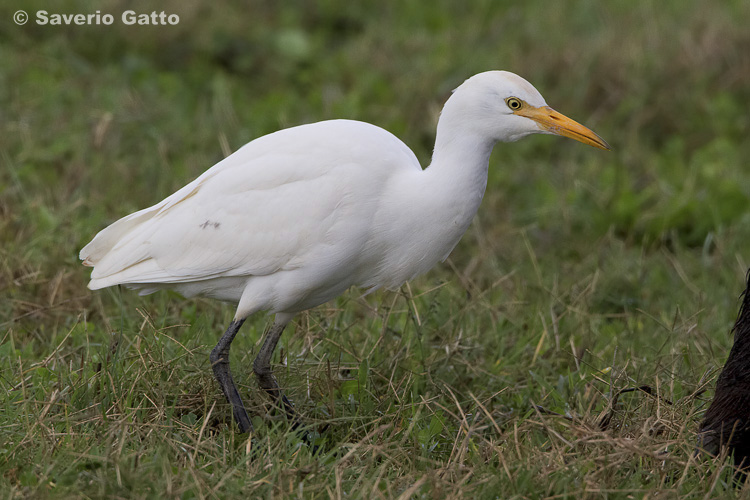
x=434 y=206
x=460 y=160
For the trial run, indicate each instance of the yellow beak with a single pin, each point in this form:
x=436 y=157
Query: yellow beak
x=559 y=124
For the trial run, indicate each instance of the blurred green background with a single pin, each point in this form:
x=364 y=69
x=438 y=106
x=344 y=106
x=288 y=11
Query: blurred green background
x=584 y=272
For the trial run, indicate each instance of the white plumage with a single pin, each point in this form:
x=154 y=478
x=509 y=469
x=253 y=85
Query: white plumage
x=294 y=218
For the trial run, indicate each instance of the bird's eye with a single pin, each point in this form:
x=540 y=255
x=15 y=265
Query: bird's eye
x=514 y=103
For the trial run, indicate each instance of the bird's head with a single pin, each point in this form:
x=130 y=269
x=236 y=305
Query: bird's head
x=508 y=108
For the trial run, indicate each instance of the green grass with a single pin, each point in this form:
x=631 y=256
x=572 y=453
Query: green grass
x=584 y=273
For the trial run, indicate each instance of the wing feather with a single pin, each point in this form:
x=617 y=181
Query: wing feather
x=269 y=207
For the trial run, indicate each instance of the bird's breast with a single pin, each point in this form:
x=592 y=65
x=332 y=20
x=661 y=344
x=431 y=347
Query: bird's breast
x=416 y=226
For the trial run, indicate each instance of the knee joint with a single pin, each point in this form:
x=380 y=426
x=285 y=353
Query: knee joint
x=261 y=369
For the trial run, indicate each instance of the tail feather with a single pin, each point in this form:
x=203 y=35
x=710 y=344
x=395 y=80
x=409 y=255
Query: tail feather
x=109 y=254
x=110 y=236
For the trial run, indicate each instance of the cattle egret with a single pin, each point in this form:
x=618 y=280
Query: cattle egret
x=294 y=218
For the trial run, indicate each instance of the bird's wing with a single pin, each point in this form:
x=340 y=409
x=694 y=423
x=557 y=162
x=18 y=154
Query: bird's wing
x=258 y=211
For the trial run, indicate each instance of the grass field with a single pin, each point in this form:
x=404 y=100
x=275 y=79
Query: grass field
x=497 y=375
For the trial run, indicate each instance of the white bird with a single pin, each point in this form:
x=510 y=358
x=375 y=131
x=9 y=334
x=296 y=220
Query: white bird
x=295 y=218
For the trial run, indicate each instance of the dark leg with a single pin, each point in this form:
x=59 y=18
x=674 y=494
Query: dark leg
x=220 y=364
x=262 y=368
